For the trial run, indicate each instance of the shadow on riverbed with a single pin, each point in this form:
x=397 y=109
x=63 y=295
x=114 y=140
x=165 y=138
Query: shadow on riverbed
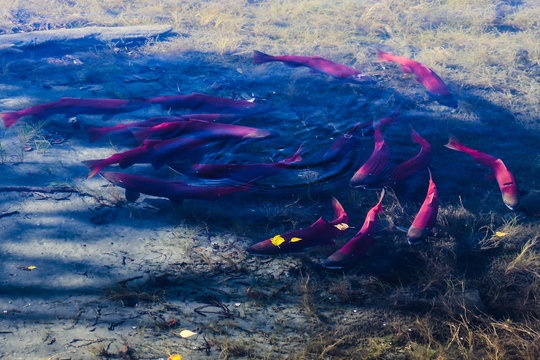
x=86 y=245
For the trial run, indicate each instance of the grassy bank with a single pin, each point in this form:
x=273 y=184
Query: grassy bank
x=482 y=48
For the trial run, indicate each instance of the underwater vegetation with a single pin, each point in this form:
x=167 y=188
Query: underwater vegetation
x=421 y=260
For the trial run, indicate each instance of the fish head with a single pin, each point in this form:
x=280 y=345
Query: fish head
x=113 y=177
x=416 y=235
x=266 y=247
x=407 y=69
x=507 y=184
x=361 y=79
x=359 y=179
x=363 y=180
x=511 y=200
x=258 y=134
x=337 y=260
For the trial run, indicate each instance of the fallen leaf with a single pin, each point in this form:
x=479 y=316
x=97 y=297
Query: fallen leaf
x=186 y=333
x=175 y=357
x=342 y=226
x=500 y=234
x=27 y=268
x=277 y=240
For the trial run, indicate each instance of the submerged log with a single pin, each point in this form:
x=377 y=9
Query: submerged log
x=92 y=33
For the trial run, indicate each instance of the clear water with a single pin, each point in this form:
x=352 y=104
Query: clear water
x=178 y=258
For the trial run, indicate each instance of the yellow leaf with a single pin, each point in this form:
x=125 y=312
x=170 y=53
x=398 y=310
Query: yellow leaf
x=500 y=234
x=31 y=267
x=186 y=333
x=295 y=239
x=175 y=357
x=277 y=240
x=342 y=226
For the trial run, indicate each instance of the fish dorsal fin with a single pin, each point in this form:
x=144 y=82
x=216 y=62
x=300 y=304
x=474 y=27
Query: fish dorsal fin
x=319 y=222
x=407 y=70
x=432 y=189
x=295 y=158
x=340 y=216
x=381 y=197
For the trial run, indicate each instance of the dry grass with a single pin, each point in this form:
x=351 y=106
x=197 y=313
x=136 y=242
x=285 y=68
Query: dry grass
x=473 y=294
x=486 y=48
x=528 y=260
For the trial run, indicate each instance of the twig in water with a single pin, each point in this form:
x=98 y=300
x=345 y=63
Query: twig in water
x=224 y=309
x=122 y=282
x=9 y=213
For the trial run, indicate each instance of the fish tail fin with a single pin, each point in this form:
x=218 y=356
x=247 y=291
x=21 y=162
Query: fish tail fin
x=377 y=135
x=11 y=118
x=454 y=144
x=340 y=216
x=261 y=58
x=383 y=56
x=387 y=120
x=296 y=157
x=416 y=137
x=95 y=166
x=432 y=188
x=479 y=157
x=95 y=133
x=378 y=208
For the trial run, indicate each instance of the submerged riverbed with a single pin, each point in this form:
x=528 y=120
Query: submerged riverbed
x=86 y=274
